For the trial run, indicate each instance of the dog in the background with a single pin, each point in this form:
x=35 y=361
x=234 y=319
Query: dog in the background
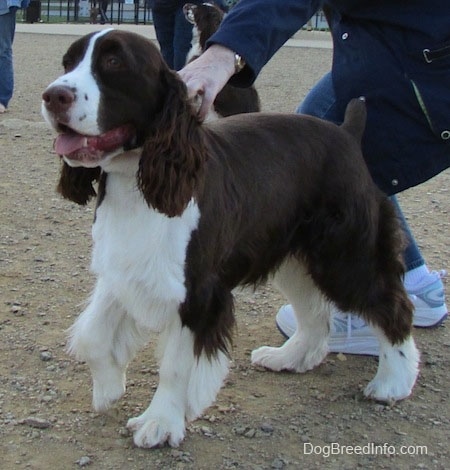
x=206 y=19
x=93 y=15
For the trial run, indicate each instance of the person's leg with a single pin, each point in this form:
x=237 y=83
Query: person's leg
x=321 y=101
x=164 y=23
x=182 y=40
x=103 y=9
x=413 y=257
x=425 y=288
x=7 y=29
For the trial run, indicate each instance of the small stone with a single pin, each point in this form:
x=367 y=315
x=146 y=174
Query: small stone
x=206 y=430
x=250 y=433
x=267 y=428
x=38 y=423
x=176 y=454
x=46 y=356
x=278 y=463
x=239 y=430
x=16 y=309
x=84 y=461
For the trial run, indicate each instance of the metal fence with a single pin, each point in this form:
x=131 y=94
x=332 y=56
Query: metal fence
x=117 y=12
x=88 y=11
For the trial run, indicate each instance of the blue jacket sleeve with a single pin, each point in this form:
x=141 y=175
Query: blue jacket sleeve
x=256 y=29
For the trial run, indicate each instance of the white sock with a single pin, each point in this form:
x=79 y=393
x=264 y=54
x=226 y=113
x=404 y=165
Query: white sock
x=415 y=277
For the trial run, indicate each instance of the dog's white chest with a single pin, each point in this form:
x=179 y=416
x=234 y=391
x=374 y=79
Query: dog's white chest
x=141 y=253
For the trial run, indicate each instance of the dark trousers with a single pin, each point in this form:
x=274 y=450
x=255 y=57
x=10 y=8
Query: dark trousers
x=174 y=36
x=103 y=7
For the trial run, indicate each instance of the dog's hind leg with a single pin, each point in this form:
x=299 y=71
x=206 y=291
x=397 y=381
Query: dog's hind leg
x=308 y=346
x=398 y=368
x=389 y=310
x=107 y=339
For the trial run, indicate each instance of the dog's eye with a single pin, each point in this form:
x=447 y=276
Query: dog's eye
x=67 y=64
x=190 y=16
x=112 y=62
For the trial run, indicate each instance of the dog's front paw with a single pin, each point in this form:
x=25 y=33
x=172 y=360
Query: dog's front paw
x=154 y=431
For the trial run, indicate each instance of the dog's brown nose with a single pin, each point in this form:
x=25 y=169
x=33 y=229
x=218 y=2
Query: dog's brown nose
x=58 y=99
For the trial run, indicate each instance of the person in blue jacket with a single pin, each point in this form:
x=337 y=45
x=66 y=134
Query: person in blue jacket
x=398 y=57
x=8 y=9
x=173 y=31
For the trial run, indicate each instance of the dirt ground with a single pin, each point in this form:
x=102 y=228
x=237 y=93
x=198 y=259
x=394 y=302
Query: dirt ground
x=261 y=420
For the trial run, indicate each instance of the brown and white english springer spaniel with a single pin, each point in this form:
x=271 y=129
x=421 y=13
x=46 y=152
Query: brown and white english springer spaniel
x=206 y=18
x=188 y=211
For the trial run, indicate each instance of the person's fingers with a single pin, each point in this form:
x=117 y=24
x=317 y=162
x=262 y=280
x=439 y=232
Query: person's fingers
x=207 y=101
x=202 y=93
x=196 y=93
x=207 y=75
x=194 y=86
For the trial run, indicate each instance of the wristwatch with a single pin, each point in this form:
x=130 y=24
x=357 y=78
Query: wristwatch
x=239 y=63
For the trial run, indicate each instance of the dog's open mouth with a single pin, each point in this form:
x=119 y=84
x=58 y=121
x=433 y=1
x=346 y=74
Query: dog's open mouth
x=89 y=149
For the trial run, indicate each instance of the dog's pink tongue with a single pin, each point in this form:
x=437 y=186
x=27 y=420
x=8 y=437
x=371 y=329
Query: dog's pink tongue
x=69 y=142
x=65 y=144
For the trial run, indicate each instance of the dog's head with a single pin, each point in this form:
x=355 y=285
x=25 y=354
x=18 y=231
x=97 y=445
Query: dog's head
x=117 y=94
x=206 y=18
x=101 y=104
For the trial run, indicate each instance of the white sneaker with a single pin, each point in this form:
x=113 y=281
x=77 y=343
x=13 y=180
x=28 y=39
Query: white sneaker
x=429 y=301
x=351 y=335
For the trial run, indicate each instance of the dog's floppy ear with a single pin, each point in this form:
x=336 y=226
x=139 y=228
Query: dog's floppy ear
x=75 y=184
x=172 y=161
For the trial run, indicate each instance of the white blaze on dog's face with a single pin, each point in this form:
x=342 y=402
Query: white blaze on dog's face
x=108 y=91
x=83 y=115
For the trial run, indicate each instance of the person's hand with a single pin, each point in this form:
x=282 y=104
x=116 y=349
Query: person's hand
x=206 y=76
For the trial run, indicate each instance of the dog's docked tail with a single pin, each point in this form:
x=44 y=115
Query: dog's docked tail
x=355 y=118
